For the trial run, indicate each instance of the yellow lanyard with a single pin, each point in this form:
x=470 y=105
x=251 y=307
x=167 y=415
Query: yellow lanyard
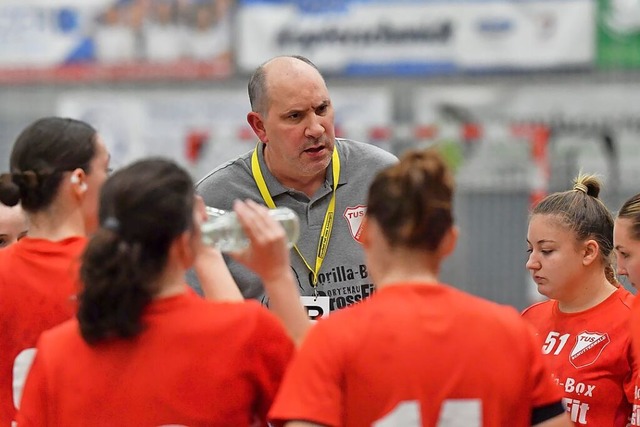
x=327 y=224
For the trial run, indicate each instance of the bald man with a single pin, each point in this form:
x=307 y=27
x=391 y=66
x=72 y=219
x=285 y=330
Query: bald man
x=299 y=163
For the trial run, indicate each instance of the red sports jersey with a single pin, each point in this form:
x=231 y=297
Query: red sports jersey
x=196 y=363
x=38 y=286
x=635 y=341
x=590 y=357
x=417 y=354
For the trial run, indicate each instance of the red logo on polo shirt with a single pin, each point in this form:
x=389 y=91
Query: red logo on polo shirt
x=354 y=216
x=588 y=347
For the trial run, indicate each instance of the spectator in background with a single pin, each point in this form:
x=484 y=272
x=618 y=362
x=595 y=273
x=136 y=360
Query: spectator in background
x=57 y=167
x=145 y=350
x=584 y=326
x=300 y=164
x=208 y=33
x=116 y=38
x=13 y=224
x=163 y=36
x=418 y=352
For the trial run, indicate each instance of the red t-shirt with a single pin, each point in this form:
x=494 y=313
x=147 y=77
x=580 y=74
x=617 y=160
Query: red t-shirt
x=635 y=341
x=417 y=352
x=590 y=357
x=196 y=363
x=38 y=287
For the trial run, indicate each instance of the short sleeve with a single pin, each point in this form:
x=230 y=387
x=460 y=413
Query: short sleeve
x=313 y=386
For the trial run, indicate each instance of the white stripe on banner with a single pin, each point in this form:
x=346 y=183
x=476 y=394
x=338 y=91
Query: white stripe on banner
x=408 y=37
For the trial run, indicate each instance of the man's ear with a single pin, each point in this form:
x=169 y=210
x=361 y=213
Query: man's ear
x=257 y=124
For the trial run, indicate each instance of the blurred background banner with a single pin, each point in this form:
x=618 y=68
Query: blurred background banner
x=102 y=40
x=38 y=33
x=405 y=37
x=618 y=34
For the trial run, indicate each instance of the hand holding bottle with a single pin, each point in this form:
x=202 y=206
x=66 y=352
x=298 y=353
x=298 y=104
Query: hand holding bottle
x=268 y=252
x=223 y=230
x=268 y=256
x=216 y=280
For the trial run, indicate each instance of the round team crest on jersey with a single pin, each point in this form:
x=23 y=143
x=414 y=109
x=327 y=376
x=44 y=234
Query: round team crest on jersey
x=587 y=349
x=354 y=217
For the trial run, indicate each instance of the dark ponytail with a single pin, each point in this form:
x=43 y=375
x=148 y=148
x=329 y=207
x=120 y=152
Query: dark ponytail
x=43 y=151
x=143 y=209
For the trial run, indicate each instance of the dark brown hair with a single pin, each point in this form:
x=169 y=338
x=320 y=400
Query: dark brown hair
x=41 y=154
x=143 y=209
x=413 y=200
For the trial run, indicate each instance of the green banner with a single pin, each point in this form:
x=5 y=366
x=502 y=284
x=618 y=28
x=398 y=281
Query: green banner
x=618 y=44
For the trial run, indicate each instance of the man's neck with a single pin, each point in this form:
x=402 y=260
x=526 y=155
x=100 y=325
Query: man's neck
x=308 y=185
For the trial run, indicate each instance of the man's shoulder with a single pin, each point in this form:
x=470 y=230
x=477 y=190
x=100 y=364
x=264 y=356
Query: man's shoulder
x=365 y=152
x=230 y=180
x=236 y=167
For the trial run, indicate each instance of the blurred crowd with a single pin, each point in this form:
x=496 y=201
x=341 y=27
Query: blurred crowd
x=163 y=30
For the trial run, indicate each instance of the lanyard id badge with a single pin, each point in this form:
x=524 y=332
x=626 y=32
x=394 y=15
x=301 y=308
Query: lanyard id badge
x=327 y=224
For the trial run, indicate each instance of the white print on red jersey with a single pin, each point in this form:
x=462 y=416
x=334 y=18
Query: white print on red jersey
x=577 y=410
x=572 y=386
x=587 y=349
x=354 y=216
x=635 y=415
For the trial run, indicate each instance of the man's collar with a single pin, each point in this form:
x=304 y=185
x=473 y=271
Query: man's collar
x=276 y=188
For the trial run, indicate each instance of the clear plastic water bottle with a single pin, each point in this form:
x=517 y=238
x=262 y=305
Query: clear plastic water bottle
x=223 y=230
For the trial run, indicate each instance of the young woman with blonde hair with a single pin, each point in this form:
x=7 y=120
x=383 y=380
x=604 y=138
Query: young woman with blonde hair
x=584 y=326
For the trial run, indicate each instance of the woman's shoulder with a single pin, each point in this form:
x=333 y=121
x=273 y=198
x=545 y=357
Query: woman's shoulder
x=626 y=298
